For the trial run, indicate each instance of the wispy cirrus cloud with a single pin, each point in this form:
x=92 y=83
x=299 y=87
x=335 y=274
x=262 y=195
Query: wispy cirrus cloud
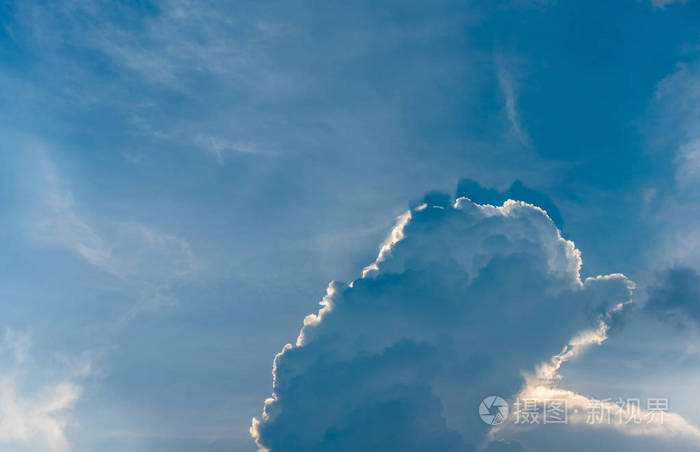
x=507 y=82
x=664 y=3
x=138 y=255
x=675 y=132
x=164 y=51
x=678 y=127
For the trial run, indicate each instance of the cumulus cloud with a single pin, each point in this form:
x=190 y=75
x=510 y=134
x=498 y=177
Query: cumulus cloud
x=463 y=301
x=471 y=189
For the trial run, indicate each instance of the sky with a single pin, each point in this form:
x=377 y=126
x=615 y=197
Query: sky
x=183 y=182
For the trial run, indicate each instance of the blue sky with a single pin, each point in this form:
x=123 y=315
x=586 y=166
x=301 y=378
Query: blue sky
x=181 y=180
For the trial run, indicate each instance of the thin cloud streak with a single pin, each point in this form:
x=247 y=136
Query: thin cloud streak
x=507 y=84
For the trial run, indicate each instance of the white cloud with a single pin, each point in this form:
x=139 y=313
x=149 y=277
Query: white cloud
x=18 y=342
x=676 y=99
x=664 y=3
x=676 y=107
x=508 y=88
x=38 y=419
x=220 y=147
x=138 y=255
x=179 y=47
x=35 y=417
x=57 y=221
x=123 y=249
x=462 y=301
x=543 y=386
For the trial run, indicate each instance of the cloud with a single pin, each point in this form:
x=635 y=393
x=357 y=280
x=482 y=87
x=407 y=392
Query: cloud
x=123 y=249
x=471 y=189
x=35 y=416
x=172 y=49
x=507 y=84
x=463 y=300
x=38 y=419
x=18 y=342
x=543 y=386
x=57 y=221
x=663 y=3
x=678 y=112
x=137 y=254
x=676 y=295
x=676 y=131
x=220 y=147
